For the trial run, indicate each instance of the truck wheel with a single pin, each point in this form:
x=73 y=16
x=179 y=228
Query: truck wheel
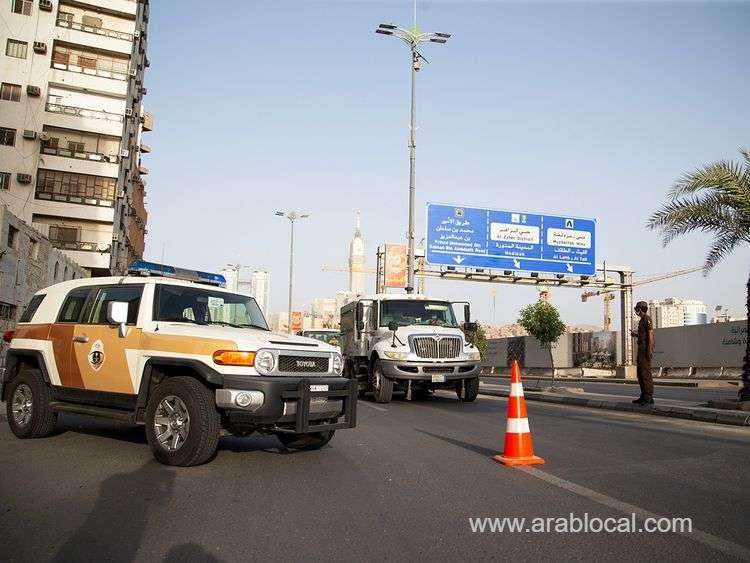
x=311 y=441
x=351 y=373
x=182 y=423
x=27 y=406
x=382 y=387
x=471 y=390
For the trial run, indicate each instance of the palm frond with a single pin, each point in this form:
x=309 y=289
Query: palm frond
x=723 y=245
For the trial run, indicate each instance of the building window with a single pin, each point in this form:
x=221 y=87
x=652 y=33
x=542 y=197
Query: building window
x=67 y=186
x=65 y=273
x=12 y=237
x=7 y=312
x=22 y=7
x=10 y=92
x=62 y=234
x=4 y=181
x=16 y=49
x=34 y=249
x=79 y=60
x=65 y=17
x=57 y=269
x=91 y=21
x=7 y=137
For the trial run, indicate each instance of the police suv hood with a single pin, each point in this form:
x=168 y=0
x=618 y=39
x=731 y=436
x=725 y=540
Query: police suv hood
x=249 y=339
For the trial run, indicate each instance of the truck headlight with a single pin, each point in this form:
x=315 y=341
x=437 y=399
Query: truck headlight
x=338 y=364
x=264 y=362
x=474 y=355
x=395 y=355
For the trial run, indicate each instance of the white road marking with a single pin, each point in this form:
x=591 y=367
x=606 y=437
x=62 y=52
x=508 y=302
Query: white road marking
x=715 y=542
x=372 y=406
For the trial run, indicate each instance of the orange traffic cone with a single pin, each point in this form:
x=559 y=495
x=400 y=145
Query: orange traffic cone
x=518 y=449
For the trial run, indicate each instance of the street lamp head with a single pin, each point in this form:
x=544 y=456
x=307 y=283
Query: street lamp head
x=383 y=31
x=443 y=35
x=279 y=213
x=304 y=216
x=387 y=26
x=438 y=40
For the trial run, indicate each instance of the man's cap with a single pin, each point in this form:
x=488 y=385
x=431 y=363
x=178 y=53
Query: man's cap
x=642 y=305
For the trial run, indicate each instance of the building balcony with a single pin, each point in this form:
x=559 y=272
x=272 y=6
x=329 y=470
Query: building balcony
x=98 y=260
x=128 y=7
x=81 y=199
x=90 y=82
x=102 y=31
x=148 y=121
x=142 y=170
x=144 y=148
x=83 y=155
x=60 y=63
x=81 y=246
x=84 y=113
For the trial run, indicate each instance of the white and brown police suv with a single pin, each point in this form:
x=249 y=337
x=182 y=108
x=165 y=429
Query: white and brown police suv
x=174 y=350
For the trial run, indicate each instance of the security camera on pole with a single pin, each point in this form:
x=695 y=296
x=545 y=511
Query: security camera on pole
x=413 y=38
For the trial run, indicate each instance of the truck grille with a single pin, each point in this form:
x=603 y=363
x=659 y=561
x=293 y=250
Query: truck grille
x=431 y=347
x=303 y=364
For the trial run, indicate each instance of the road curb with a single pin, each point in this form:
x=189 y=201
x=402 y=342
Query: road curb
x=701 y=414
x=709 y=383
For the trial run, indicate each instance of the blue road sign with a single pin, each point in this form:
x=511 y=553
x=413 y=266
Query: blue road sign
x=474 y=237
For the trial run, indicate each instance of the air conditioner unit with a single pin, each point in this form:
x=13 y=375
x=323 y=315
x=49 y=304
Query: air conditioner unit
x=40 y=47
x=133 y=72
x=23 y=178
x=137 y=34
x=35 y=91
x=124 y=153
x=44 y=136
x=120 y=194
x=115 y=237
x=129 y=112
x=29 y=134
x=45 y=5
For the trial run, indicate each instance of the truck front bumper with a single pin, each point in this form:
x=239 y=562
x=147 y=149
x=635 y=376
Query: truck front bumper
x=294 y=404
x=423 y=371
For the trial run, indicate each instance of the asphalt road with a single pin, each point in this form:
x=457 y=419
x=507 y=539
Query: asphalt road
x=401 y=486
x=688 y=394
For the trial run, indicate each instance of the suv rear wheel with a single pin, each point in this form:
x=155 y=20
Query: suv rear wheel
x=182 y=423
x=28 y=405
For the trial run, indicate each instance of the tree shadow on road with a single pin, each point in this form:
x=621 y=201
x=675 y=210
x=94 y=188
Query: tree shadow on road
x=114 y=528
x=191 y=552
x=465 y=445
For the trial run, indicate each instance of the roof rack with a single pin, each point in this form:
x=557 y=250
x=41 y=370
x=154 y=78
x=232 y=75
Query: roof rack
x=145 y=268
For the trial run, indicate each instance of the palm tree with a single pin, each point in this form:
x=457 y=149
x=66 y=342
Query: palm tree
x=715 y=199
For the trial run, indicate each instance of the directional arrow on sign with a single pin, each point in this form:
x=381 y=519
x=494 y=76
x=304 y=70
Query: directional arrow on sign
x=458 y=259
x=569 y=268
x=516 y=263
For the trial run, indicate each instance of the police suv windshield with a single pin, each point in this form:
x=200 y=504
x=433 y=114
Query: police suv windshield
x=203 y=306
x=434 y=313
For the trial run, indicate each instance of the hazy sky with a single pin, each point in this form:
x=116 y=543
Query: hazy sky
x=588 y=109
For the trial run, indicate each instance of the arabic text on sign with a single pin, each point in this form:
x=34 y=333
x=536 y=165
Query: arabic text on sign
x=569 y=238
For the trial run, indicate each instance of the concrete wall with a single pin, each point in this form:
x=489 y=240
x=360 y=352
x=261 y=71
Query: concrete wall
x=709 y=346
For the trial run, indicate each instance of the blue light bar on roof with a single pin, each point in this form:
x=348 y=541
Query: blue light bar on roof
x=145 y=268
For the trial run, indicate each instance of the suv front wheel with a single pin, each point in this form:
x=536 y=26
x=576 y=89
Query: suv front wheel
x=182 y=423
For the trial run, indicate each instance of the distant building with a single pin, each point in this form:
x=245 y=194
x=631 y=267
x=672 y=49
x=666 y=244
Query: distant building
x=671 y=312
x=325 y=313
x=71 y=125
x=357 y=260
x=260 y=288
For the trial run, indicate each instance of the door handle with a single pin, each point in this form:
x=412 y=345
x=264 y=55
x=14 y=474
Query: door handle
x=82 y=338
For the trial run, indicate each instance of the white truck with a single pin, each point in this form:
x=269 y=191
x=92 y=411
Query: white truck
x=411 y=343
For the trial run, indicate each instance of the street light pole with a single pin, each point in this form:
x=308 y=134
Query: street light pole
x=292 y=216
x=413 y=38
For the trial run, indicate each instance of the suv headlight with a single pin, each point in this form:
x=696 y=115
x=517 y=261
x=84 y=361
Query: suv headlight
x=471 y=354
x=338 y=364
x=264 y=362
x=391 y=355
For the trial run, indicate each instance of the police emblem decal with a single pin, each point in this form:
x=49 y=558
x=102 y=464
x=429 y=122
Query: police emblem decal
x=96 y=355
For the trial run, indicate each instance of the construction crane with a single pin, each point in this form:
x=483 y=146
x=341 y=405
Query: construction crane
x=609 y=295
x=363 y=270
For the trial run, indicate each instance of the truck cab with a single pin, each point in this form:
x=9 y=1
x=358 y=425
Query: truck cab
x=409 y=343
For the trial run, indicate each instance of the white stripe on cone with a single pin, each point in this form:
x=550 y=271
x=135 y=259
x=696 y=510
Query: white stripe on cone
x=516 y=390
x=518 y=426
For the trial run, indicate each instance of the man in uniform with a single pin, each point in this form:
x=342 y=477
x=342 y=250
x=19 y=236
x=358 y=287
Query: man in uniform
x=645 y=335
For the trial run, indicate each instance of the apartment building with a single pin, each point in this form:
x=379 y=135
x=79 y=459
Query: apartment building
x=671 y=312
x=71 y=125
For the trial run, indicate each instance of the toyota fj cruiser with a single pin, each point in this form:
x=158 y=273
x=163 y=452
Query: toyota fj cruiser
x=173 y=350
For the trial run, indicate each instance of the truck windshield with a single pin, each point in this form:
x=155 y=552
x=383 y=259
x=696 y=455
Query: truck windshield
x=435 y=313
x=187 y=304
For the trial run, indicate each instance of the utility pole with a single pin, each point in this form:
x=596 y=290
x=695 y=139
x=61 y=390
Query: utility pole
x=412 y=38
x=292 y=216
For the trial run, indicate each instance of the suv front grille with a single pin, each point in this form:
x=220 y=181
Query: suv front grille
x=303 y=364
x=440 y=348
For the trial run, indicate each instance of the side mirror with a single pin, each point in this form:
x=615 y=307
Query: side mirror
x=360 y=326
x=470 y=327
x=467 y=313
x=393 y=326
x=117 y=314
